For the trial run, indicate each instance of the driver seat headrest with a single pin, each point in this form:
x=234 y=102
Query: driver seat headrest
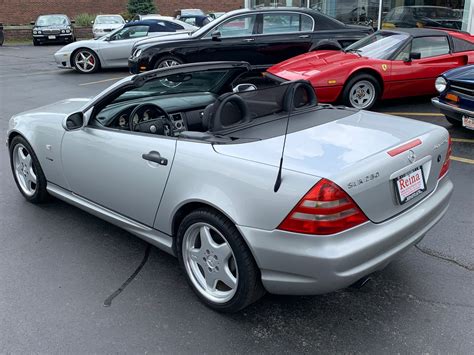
x=300 y=94
x=228 y=110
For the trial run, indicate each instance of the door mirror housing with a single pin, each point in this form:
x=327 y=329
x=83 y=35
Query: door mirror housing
x=32 y=23
x=244 y=87
x=414 y=56
x=74 y=121
x=216 y=35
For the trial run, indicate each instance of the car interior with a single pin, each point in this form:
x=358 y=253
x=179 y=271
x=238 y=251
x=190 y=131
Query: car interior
x=202 y=115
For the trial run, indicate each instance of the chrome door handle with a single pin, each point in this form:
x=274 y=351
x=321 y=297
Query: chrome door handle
x=248 y=39
x=304 y=36
x=155 y=157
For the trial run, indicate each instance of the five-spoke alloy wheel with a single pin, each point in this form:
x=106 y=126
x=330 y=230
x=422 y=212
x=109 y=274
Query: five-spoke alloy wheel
x=27 y=171
x=85 y=61
x=167 y=61
x=218 y=264
x=361 y=92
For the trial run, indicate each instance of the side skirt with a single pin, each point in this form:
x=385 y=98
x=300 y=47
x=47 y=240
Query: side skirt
x=150 y=235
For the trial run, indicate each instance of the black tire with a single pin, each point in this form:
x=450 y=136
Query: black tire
x=360 y=78
x=36 y=42
x=249 y=286
x=41 y=194
x=453 y=121
x=87 y=51
x=167 y=58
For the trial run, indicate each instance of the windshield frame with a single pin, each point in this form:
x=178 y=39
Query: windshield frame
x=388 y=55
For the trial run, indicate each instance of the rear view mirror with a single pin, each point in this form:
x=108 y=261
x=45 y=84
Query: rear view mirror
x=244 y=87
x=216 y=35
x=74 y=121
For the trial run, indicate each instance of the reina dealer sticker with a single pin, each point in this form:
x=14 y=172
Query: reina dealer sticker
x=410 y=185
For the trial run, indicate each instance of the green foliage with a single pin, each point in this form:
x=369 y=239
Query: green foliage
x=84 y=20
x=141 y=7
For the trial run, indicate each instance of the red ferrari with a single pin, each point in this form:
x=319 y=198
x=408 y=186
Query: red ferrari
x=385 y=65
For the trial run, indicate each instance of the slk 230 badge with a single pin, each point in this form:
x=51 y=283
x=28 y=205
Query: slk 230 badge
x=363 y=180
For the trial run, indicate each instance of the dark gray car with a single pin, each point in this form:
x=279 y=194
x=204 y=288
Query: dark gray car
x=53 y=29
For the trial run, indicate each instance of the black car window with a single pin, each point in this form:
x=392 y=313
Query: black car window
x=189 y=20
x=430 y=46
x=461 y=45
x=172 y=27
x=237 y=26
x=131 y=32
x=274 y=23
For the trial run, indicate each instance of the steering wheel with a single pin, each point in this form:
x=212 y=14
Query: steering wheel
x=154 y=125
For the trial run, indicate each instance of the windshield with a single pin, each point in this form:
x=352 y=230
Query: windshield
x=380 y=45
x=204 y=81
x=102 y=20
x=51 y=20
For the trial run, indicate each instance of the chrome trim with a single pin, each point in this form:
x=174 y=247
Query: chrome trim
x=435 y=101
x=150 y=235
x=462 y=88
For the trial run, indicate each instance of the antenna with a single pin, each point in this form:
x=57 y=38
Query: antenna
x=277 y=185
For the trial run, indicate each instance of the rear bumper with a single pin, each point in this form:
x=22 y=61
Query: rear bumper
x=453 y=111
x=296 y=264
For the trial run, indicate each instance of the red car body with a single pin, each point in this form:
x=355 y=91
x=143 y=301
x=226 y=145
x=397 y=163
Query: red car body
x=329 y=70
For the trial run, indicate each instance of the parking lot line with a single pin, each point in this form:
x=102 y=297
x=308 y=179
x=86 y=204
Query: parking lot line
x=101 y=81
x=462 y=140
x=463 y=160
x=414 y=114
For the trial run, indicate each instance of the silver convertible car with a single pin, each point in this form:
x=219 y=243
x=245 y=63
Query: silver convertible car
x=251 y=184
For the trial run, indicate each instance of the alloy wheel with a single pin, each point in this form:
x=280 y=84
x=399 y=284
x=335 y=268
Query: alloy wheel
x=210 y=262
x=85 y=61
x=362 y=94
x=24 y=170
x=167 y=63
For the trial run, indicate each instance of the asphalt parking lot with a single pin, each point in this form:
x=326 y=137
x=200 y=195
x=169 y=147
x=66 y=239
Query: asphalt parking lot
x=58 y=265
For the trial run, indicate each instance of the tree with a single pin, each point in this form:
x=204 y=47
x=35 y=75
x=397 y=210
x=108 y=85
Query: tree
x=141 y=7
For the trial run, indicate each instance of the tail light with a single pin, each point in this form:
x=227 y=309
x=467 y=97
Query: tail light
x=447 y=160
x=325 y=209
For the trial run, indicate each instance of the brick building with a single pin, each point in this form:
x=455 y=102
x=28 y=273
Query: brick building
x=16 y=12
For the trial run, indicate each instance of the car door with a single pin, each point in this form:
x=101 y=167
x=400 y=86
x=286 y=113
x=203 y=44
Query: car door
x=284 y=35
x=107 y=166
x=431 y=56
x=234 y=39
x=116 y=50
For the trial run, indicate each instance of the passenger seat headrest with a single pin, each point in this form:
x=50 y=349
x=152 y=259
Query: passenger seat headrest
x=300 y=94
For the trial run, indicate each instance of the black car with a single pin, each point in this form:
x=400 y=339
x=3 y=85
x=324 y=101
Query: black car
x=53 y=29
x=261 y=37
x=423 y=16
x=2 y=37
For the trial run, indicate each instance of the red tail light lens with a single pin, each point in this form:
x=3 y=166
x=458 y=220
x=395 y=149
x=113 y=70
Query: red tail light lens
x=325 y=209
x=447 y=160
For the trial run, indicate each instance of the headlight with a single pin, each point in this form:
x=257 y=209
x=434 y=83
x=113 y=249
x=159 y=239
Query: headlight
x=63 y=31
x=35 y=32
x=137 y=53
x=68 y=31
x=441 y=84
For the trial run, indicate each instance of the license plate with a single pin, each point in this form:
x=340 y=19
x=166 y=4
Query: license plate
x=410 y=185
x=468 y=122
x=51 y=37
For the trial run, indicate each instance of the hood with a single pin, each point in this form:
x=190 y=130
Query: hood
x=310 y=64
x=465 y=74
x=53 y=27
x=89 y=43
x=58 y=109
x=107 y=26
x=171 y=37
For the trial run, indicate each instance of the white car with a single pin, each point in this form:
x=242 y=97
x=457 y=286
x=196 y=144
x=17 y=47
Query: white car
x=113 y=49
x=104 y=24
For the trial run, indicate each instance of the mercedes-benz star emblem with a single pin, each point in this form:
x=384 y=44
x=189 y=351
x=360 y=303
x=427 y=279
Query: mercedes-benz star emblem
x=411 y=156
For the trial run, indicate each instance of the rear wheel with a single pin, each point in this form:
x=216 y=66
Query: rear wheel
x=361 y=92
x=168 y=61
x=218 y=264
x=85 y=61
x=29 y=176
x=453 y=121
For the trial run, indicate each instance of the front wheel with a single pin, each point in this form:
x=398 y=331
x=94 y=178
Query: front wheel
x=85 y=61
x=168 y=61
x=218 y=264
x=361 y=92
x=27 y=172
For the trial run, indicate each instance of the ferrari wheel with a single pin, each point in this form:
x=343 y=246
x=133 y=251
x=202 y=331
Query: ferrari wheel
x=29 y=176
x=218 y=264
x=85 y=61
x=361 y=92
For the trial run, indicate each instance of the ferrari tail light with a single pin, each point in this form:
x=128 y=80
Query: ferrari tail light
x=447 y=160
x=325 y=209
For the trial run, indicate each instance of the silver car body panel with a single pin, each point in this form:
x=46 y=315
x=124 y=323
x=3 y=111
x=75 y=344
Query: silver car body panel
x=102 y=171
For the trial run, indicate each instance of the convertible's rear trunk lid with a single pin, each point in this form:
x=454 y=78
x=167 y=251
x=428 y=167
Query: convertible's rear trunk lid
x=352 y=151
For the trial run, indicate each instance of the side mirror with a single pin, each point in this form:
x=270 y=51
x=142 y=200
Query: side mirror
x=92 y=22
x=32 y=23
x=216 y=35
x=415 y=55
x=244 y=87
x=73 y=21
x=74 y=121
